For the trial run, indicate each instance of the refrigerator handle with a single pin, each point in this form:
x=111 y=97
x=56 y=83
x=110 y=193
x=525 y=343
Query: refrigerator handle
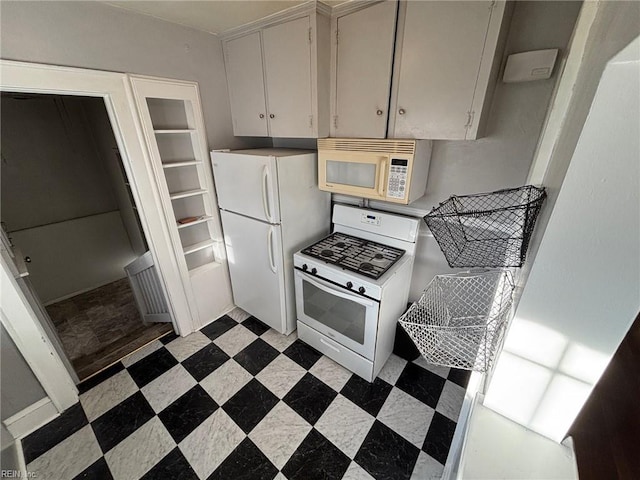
x=272 y=262
x=265 y=199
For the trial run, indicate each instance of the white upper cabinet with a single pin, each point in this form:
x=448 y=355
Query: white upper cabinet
x=445 y=67
x=287 y=61
x=363 y=60
x=278 y=74
x=243 y=58
x=400 y=69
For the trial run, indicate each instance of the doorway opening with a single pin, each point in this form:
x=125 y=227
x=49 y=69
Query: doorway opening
x=69 y=213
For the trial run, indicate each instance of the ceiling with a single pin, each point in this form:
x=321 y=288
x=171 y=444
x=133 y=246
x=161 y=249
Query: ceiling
x=213 y=16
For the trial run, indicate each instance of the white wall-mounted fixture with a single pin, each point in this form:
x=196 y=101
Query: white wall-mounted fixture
x=528 y=66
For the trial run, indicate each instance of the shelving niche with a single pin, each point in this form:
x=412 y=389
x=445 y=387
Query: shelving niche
x=176 y=135
x=172 y=119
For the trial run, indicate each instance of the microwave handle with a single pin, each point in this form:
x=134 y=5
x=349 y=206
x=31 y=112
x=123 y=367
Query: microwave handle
x=383 y=176
x=327 y=287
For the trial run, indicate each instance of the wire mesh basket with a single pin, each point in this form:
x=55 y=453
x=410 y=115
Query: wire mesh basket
x=486 y=229
x=460 y=318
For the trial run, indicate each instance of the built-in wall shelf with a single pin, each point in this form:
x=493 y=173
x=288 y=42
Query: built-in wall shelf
x=204 y=218
x=187 y=163
x=197 y=246
x=172 y=119
x=174 y=130
x=203 y=268
x=187 y=193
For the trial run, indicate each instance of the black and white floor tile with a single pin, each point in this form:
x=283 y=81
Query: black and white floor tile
x=239 y=401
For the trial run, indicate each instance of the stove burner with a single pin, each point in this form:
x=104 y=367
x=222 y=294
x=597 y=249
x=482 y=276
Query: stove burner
x=364 y=257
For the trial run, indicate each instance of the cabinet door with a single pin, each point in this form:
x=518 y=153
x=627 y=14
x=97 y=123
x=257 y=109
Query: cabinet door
x=442 y=49
x=287 y=59
x=243 y=57
x=363 y=72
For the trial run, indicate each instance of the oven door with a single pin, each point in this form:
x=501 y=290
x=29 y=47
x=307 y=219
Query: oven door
x=348 y=318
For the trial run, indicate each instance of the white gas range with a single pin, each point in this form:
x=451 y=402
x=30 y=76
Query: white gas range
x=352 y=286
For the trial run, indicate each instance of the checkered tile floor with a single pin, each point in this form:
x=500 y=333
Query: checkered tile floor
x=239 y=401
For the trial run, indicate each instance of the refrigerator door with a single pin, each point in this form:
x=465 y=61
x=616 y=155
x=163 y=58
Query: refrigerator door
x=256 y=267
x=247 y=184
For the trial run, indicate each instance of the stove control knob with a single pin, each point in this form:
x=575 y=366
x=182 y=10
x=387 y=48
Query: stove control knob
x=361 y=290
x=349 y=285
x=304 y=267
x=314 y=271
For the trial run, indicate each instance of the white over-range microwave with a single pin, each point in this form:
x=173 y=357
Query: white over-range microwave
x=389 y=170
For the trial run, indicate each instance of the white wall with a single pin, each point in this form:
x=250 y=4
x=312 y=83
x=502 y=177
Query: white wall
x=6 y=440
x=57 y=198
x=616 y=25
x=20 y=388
x=75 y=256
x=97 y=36
x=99 y=125
x=9 y=455
x=583 y=291
x=50 y=170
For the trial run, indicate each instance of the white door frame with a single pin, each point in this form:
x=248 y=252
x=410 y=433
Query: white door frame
x=18 y=317
x=569 y=69
x=19 y=320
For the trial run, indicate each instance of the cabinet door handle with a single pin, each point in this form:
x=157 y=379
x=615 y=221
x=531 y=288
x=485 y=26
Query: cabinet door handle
x=401 y=111
x=261 y=115
x=271 y=115
x=379 y=112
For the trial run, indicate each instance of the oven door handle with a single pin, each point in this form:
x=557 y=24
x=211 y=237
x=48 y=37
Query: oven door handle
x=327 y=287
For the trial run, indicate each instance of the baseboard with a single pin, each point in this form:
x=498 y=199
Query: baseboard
x=80 y=292
x=31 y=418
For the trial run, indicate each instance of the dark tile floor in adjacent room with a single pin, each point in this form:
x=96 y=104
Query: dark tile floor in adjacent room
x=101 y=326
x=240 y=401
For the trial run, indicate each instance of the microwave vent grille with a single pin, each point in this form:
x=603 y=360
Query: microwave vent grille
x=407 y=147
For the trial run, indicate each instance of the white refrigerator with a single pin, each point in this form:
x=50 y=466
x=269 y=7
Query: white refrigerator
x=270 y=208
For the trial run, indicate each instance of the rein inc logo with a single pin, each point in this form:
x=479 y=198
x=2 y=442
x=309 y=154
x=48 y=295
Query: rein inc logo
x=17 y=474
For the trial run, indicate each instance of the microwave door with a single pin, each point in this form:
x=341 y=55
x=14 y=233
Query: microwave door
x=360 y=175
x=352 y=174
